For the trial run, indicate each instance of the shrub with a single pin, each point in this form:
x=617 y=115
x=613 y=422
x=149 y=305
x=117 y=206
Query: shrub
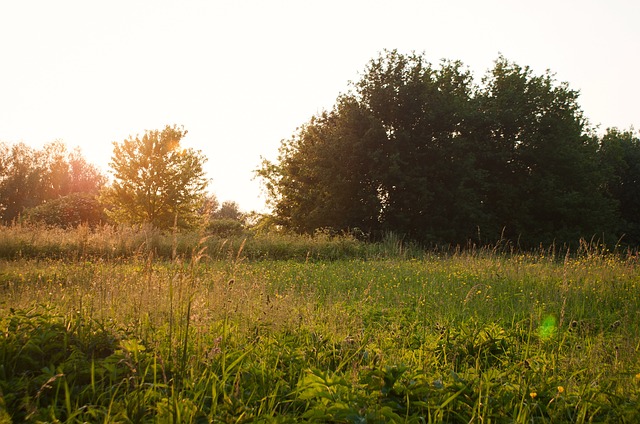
x=68 y=211
x=225 y=227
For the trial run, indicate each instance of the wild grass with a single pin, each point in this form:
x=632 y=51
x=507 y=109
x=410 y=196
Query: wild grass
x=113 y=242
x=221 y=337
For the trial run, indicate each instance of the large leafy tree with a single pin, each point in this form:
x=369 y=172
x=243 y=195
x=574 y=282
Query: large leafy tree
x=543 y=178
x=425 y=165
x=424 y=151
x=325 y=176
x=156 y=180
x=392 y=155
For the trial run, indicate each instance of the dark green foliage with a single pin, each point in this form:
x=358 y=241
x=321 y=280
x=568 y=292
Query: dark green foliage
x=68 y=211
x=426 y=163
x=225 y=227
x=327 y=174
x=542 y=176
x=423 y=151
x=620 y=155
x=225 y=220
x=42 y=355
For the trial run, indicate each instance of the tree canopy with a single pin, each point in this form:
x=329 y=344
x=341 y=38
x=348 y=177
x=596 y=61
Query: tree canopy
x=156 y=180
x=620 y=157
x=425 y=151
x=30 y=177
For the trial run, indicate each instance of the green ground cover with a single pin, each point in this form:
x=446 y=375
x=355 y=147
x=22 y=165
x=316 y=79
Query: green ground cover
x=470 y=337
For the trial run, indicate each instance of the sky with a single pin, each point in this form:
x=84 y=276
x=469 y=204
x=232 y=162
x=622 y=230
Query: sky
x=242 y=75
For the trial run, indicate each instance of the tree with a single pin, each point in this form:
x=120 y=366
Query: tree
x=156 y=181
x=426 y=166
x=68 y=172
x=21 y=180
x=423 y=151
x=324 y=176
x=392 y=155
x=620 y=158
x=229 y=210
x=543 y=177
x=223 y=220
x=210 y=205
x=30 y=177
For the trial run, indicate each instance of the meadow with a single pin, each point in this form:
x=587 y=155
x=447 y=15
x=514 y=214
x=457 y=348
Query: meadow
x=133 y=326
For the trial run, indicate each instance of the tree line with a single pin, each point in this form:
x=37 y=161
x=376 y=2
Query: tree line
x=425 y=152
x=430 y=153
x=31 y=178
x=154 y=181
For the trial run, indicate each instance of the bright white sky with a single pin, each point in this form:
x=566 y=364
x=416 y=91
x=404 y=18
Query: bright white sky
x=243 y=75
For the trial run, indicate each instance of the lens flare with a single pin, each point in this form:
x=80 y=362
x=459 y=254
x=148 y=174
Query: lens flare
x=548 y=327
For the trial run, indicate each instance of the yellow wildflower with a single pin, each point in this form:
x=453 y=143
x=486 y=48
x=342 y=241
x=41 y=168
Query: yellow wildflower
x=533 y=395
x=560 y=389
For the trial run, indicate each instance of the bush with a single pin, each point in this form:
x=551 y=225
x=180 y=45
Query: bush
x=225 y=227
x=68 y=211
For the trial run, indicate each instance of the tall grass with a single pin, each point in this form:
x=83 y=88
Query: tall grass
x=385 y=336
x=112 y=242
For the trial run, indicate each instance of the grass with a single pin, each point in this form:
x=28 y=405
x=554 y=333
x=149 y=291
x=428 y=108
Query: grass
x=377 y=334
x=116 y=242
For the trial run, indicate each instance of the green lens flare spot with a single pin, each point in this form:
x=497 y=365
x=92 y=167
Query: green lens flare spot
x=548 y=327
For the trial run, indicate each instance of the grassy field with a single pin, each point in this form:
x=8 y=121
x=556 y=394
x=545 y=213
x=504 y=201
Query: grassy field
x=326 y=330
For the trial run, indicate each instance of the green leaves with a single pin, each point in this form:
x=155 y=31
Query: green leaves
x=423 y=151
x=156 y=181
x=439 y=339
x=620 y=161
x=30 y=177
